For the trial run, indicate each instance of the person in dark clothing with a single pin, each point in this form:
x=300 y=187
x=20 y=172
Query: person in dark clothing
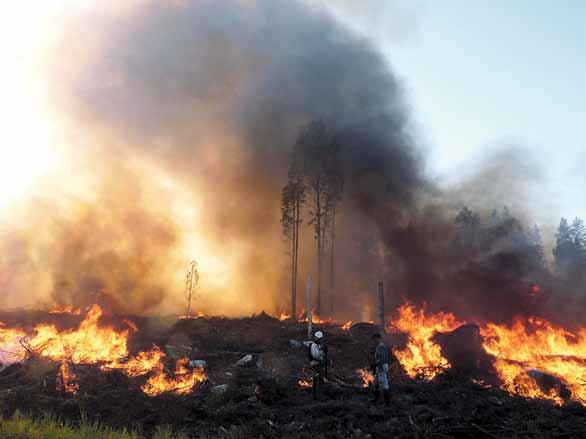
x=381 y=370
x=318 y=358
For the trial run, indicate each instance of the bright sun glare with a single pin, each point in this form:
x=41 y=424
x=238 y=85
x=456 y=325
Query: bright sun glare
x=26 y=152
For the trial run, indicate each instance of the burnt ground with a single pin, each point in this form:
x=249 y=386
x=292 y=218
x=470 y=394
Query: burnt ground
x=264 y=399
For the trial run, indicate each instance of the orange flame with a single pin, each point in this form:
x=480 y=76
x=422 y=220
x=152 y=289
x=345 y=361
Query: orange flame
x=284 y=316
x=68 y=309
x=8 y=334
x=67 y=380
x=182 y=384
x=315 y=319
x=367 y=377
x=528 y=344
x=192 y=316
x=92 y=343
x=321 y=321
x=537 y=344
x=89 y=344
x=304 y=382
x=346 y=326
x=142 y=364
x=421 y=353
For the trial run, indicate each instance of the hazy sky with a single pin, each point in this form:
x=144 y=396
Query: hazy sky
x=481 y=75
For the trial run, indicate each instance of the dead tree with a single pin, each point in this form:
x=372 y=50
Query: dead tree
x=317 y=150
x=381 y=306
x=332 y=261
x=335 y=189
x=292 y=200
x=191 y=282
x=309 y=306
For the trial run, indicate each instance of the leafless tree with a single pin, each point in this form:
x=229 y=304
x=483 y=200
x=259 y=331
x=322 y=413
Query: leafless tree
x=191 y=283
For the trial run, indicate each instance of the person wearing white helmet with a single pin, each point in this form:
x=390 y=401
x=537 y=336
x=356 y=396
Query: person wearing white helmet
x=317 y=360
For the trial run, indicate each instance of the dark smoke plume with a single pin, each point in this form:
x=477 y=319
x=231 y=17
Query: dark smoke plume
x=215 y=93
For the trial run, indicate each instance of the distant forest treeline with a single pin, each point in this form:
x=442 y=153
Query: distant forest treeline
x=488 y=265
x=477 y=236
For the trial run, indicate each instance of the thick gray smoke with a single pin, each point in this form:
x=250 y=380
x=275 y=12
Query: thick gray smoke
x=217 y=92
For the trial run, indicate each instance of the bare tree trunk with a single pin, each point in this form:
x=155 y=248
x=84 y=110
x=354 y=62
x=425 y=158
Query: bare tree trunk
x=296 y=253
x=190 y=291
x=191 y=281
x=319 y=232
x=189 y=302
x=319 y=260
x=309 y=306
x=322 y=262
x=293 y=256
x=332 y=248
x=381 y=306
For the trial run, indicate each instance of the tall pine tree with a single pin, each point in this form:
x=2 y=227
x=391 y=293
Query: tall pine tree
x=317 y=150
x=564 y=250
x=292 y=200
x=469 y=226
x=537 y=253
x=578 y=236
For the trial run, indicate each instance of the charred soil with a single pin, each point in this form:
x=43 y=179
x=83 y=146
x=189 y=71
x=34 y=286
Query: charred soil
x=263 y=397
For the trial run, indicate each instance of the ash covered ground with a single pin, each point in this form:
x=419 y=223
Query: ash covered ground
x=265 y=399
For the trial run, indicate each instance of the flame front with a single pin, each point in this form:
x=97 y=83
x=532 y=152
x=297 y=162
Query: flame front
x=527 y=348
x=181 y=384
x=422 y=355
x=537 y=344
x=88 y=344
x=93 y=344
x=524 y=351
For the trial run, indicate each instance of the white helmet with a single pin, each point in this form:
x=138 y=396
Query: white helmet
x=319 y=335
